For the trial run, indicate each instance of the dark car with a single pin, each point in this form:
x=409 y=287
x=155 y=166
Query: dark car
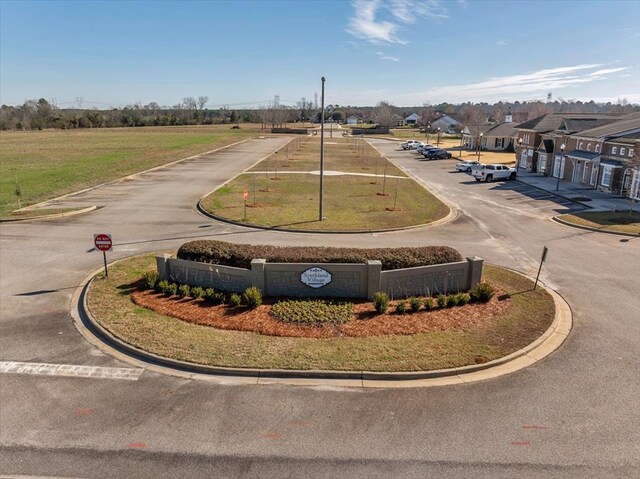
x=437 y=154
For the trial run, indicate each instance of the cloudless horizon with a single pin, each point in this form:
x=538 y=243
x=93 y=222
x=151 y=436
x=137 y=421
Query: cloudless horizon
x=242 y=53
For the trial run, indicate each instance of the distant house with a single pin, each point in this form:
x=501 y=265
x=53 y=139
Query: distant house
x=397 y=120
x=354 y=120
x=446 y=123
x=411 y=120
x=500 y=137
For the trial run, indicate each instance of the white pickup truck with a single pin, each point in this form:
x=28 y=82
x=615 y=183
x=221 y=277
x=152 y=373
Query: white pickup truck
x=489 y=173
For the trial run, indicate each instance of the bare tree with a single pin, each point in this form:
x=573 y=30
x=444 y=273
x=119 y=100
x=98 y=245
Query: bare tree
x=383 y=114
x=189 y=103
x=428 y=115
x=305 y=108
x=202 y=101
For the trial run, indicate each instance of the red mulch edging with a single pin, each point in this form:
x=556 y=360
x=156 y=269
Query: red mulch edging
x=365 y=322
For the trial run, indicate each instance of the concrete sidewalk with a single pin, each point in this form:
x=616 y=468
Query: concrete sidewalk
x=579 y=193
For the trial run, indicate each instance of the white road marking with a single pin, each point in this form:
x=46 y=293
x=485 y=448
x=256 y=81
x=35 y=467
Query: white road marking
x=70 y=370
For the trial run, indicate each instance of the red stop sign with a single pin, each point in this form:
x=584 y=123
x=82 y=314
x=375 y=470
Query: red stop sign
x=103 y=242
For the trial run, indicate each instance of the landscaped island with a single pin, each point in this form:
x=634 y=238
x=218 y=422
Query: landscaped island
x=441 y=329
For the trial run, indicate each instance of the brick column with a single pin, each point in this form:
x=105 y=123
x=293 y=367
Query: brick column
x=475 y=270
x=257 y=274
x=374 y=269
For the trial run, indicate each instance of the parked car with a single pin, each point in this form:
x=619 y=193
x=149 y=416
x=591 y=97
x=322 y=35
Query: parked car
x=427 y=151
x=423 y=147
x=467 y=165
x=411 y=144
x=437 y=154
x=489 y=173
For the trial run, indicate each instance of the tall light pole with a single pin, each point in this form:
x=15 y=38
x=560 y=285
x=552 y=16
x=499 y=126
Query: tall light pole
x=562 y=147
x=321 y=150
x=438 y=140
x=460 y=150
x=427 y=132
x=480 y=144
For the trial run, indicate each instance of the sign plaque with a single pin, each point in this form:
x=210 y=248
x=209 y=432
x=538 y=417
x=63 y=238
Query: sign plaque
x=315 y=277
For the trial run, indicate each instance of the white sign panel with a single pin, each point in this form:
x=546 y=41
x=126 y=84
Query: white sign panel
x=315 y=277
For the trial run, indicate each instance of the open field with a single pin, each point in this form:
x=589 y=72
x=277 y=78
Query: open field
x=50 y=163
x=618 y=221
x=282 y=193
x=527 y=316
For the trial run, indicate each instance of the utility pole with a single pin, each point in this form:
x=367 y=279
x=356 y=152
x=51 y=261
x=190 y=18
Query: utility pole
x=320 y=215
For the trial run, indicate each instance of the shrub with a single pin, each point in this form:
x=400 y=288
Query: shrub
x=415 y=303
x=163 y=287
x=312 y=312
x=209 y=293
x=252 y=297
x=172 y=289
x=184 y=290
x=428 y=304
x=197 y=292
x=234 y=300
x=452 y=300
x=150 y=279
x=240 y=255
x=482 y=293
x=213 y=296
x=401 y=307
x=442 y=300
x=381 y=302
x=464 y=298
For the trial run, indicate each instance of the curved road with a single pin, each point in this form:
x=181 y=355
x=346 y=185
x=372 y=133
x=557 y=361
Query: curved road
x=574 y=414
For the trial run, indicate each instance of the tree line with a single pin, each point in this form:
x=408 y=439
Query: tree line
x=42 y=114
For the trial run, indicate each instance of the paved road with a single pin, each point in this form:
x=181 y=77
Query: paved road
x=574 y=414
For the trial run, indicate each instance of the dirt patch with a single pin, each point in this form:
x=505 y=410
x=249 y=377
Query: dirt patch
x=365 y=322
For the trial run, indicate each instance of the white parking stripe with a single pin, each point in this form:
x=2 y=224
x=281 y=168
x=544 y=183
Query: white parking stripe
x=70 y=370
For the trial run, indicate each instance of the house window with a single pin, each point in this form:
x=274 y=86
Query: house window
x=614 y=150
x=622 y=150
x=597 y=147
x=499 y=142
x=630 y=152
x=606 y=175
x=588 y=146
x=581 y=146
x=542 y=163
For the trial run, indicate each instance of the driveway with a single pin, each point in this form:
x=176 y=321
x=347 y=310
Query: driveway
x=575 y=414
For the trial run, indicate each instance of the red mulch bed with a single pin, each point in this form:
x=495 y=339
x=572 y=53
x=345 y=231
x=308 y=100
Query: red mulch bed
x=365 y=322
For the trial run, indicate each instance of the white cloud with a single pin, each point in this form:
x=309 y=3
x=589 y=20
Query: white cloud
x=502 y=43
x=387 y=57
x=367 y=25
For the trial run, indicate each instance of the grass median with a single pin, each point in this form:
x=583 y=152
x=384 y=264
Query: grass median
x=370 y=193
x=527 y=316
x=616 y=221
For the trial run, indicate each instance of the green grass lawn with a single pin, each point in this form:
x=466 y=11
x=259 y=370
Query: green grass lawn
x=50 y=163
x=618 y=221
x=529 y=314
x=351 y=203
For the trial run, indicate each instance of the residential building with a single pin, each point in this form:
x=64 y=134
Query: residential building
x=411 y=120
x=500 y=137
x=354 y=120
x=446 y=123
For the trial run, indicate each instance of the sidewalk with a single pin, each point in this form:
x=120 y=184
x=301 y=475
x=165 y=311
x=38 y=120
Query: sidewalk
x=578 y=193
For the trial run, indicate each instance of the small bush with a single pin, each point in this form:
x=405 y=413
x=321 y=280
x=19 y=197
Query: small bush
x=482 y=293
x=252 y=297
x=150 y=279
x=172 y=289
x=452 y=300
x=415 y=304
x=381 y=302
x=213 y=296
x=183 y=291
x=401 y=307
x=464 y=298
x=163 y=287
x=442 y=300
x=208 y=293
x=234 y=300
x=428 y=304
x=197 y=292
x=312 y=312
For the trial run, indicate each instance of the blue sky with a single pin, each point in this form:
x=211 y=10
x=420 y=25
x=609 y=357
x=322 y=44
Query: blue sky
x=239 y=53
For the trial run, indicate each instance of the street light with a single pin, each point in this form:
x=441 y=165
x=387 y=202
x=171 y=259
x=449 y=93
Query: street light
x=427 y=132
x=479 y=145
x=560 y=167
x=320 y=212
x=518 y=152
x=438 y=140
x=460 y=150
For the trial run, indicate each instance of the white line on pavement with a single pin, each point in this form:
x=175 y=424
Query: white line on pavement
x=69 y=370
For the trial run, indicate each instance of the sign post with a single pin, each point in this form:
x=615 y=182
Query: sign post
x=103 y=243
x=245 y=195
x=545 y=250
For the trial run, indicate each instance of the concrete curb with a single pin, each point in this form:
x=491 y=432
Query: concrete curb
x=546 y=344
x=57 y=215
x=451 y=216
x=557 y=219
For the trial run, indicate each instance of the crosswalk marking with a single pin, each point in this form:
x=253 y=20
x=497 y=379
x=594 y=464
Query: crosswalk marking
x=69 y=370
